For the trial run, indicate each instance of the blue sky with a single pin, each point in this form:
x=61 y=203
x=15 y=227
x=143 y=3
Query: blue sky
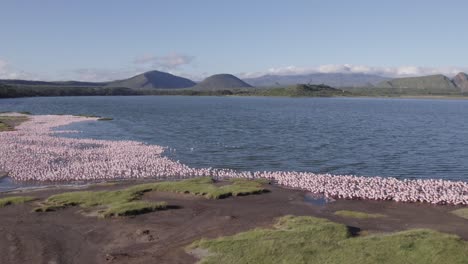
x=103 y=40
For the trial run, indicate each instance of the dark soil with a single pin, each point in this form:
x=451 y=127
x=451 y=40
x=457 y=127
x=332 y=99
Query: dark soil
x=66 y=236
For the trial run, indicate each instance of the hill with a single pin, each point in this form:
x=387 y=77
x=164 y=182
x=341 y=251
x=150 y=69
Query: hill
x=437 y=82
x=153 y=80
x=221 y=82
x=302 y=90
x=461 y=81
x=332 y=79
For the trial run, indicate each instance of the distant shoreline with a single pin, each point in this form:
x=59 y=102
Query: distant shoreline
x=423 y=97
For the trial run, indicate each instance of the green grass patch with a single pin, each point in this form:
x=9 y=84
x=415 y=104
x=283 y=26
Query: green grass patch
x=126 y=201
x=85 y=115
x=133 y=208
x=8 y=123
x=105 y=119
x=4 y=127
x=204 y=186
x=359 y=215
x=109 y=200
x=312 y=240
x=463 y=212
x=15 y=200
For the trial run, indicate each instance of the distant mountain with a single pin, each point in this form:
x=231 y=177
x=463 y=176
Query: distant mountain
x=461 y=81
x=431 y=82
x=153 y=80
x=332 y=79
x=221 y=82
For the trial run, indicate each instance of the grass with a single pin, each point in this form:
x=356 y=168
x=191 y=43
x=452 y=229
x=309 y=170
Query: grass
x=126 y=201
x=204 y=186
x=15 y=200
x=85 y=115
x=113 y=202
x=134 y=208
x=463 y=212
x=8 y=123
x=313 y=240
x=105 y=119
x=356 y=214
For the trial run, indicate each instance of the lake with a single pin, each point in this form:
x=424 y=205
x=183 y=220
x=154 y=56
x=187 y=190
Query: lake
x=403 y=138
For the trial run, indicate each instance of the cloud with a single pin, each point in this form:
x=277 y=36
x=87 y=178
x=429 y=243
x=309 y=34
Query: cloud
x=400 y=71
x=166 y=62
x=7 y=71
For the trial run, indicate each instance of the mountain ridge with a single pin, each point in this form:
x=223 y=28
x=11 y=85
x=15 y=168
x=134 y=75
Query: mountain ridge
x=331 y=79
x=163 y=80
x=153 y=80
x=428 y=82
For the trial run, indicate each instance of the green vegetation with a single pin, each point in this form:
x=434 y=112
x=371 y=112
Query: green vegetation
x=356 y=214
x=13 y=91
x=463 y=212
x=312 y=240
x=133 y=208
x=15 y=200
x=432 y=82
x=401 y=92
x=126 y=201
x=105 y=119
x=109 y=203
x=204 y=186
x=86 y=115
x=302 y=90
x=8 y=123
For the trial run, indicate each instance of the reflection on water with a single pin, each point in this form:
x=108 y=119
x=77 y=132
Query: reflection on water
x=317 y=199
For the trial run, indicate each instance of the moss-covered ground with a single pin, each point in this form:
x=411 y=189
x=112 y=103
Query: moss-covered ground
x=8 y=123
x=357 y=214
x=15 y=200
x=127 y=201
x=463 y=212
x=314 y=240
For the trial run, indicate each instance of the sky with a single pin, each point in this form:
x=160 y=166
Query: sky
x=91 y=40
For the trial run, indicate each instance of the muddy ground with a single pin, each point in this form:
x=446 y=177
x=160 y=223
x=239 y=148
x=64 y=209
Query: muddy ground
x=66 y=236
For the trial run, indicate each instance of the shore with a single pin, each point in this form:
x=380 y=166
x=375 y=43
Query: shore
x=64 y=232
x=33 y=152
x=67 y=236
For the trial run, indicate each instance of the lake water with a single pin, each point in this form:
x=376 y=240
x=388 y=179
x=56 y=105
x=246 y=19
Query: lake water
x=402 y=138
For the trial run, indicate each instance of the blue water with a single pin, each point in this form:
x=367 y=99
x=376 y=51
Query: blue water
x=402 y=138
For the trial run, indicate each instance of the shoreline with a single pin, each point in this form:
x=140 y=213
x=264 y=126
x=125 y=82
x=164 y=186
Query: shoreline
x=418 y=97
x=33 y=153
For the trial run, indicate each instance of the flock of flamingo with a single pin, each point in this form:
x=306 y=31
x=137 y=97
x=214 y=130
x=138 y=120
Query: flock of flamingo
x=34 y=152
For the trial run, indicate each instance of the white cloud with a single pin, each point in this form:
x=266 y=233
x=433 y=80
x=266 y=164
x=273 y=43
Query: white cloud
x=400 y=71
x=174 y=63
x=9 y=72
x=167 y=62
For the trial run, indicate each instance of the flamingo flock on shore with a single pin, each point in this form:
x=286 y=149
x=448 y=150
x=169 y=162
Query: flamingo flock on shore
x=34 y=152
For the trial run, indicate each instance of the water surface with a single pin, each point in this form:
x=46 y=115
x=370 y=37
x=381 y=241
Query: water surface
x=404 y=138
